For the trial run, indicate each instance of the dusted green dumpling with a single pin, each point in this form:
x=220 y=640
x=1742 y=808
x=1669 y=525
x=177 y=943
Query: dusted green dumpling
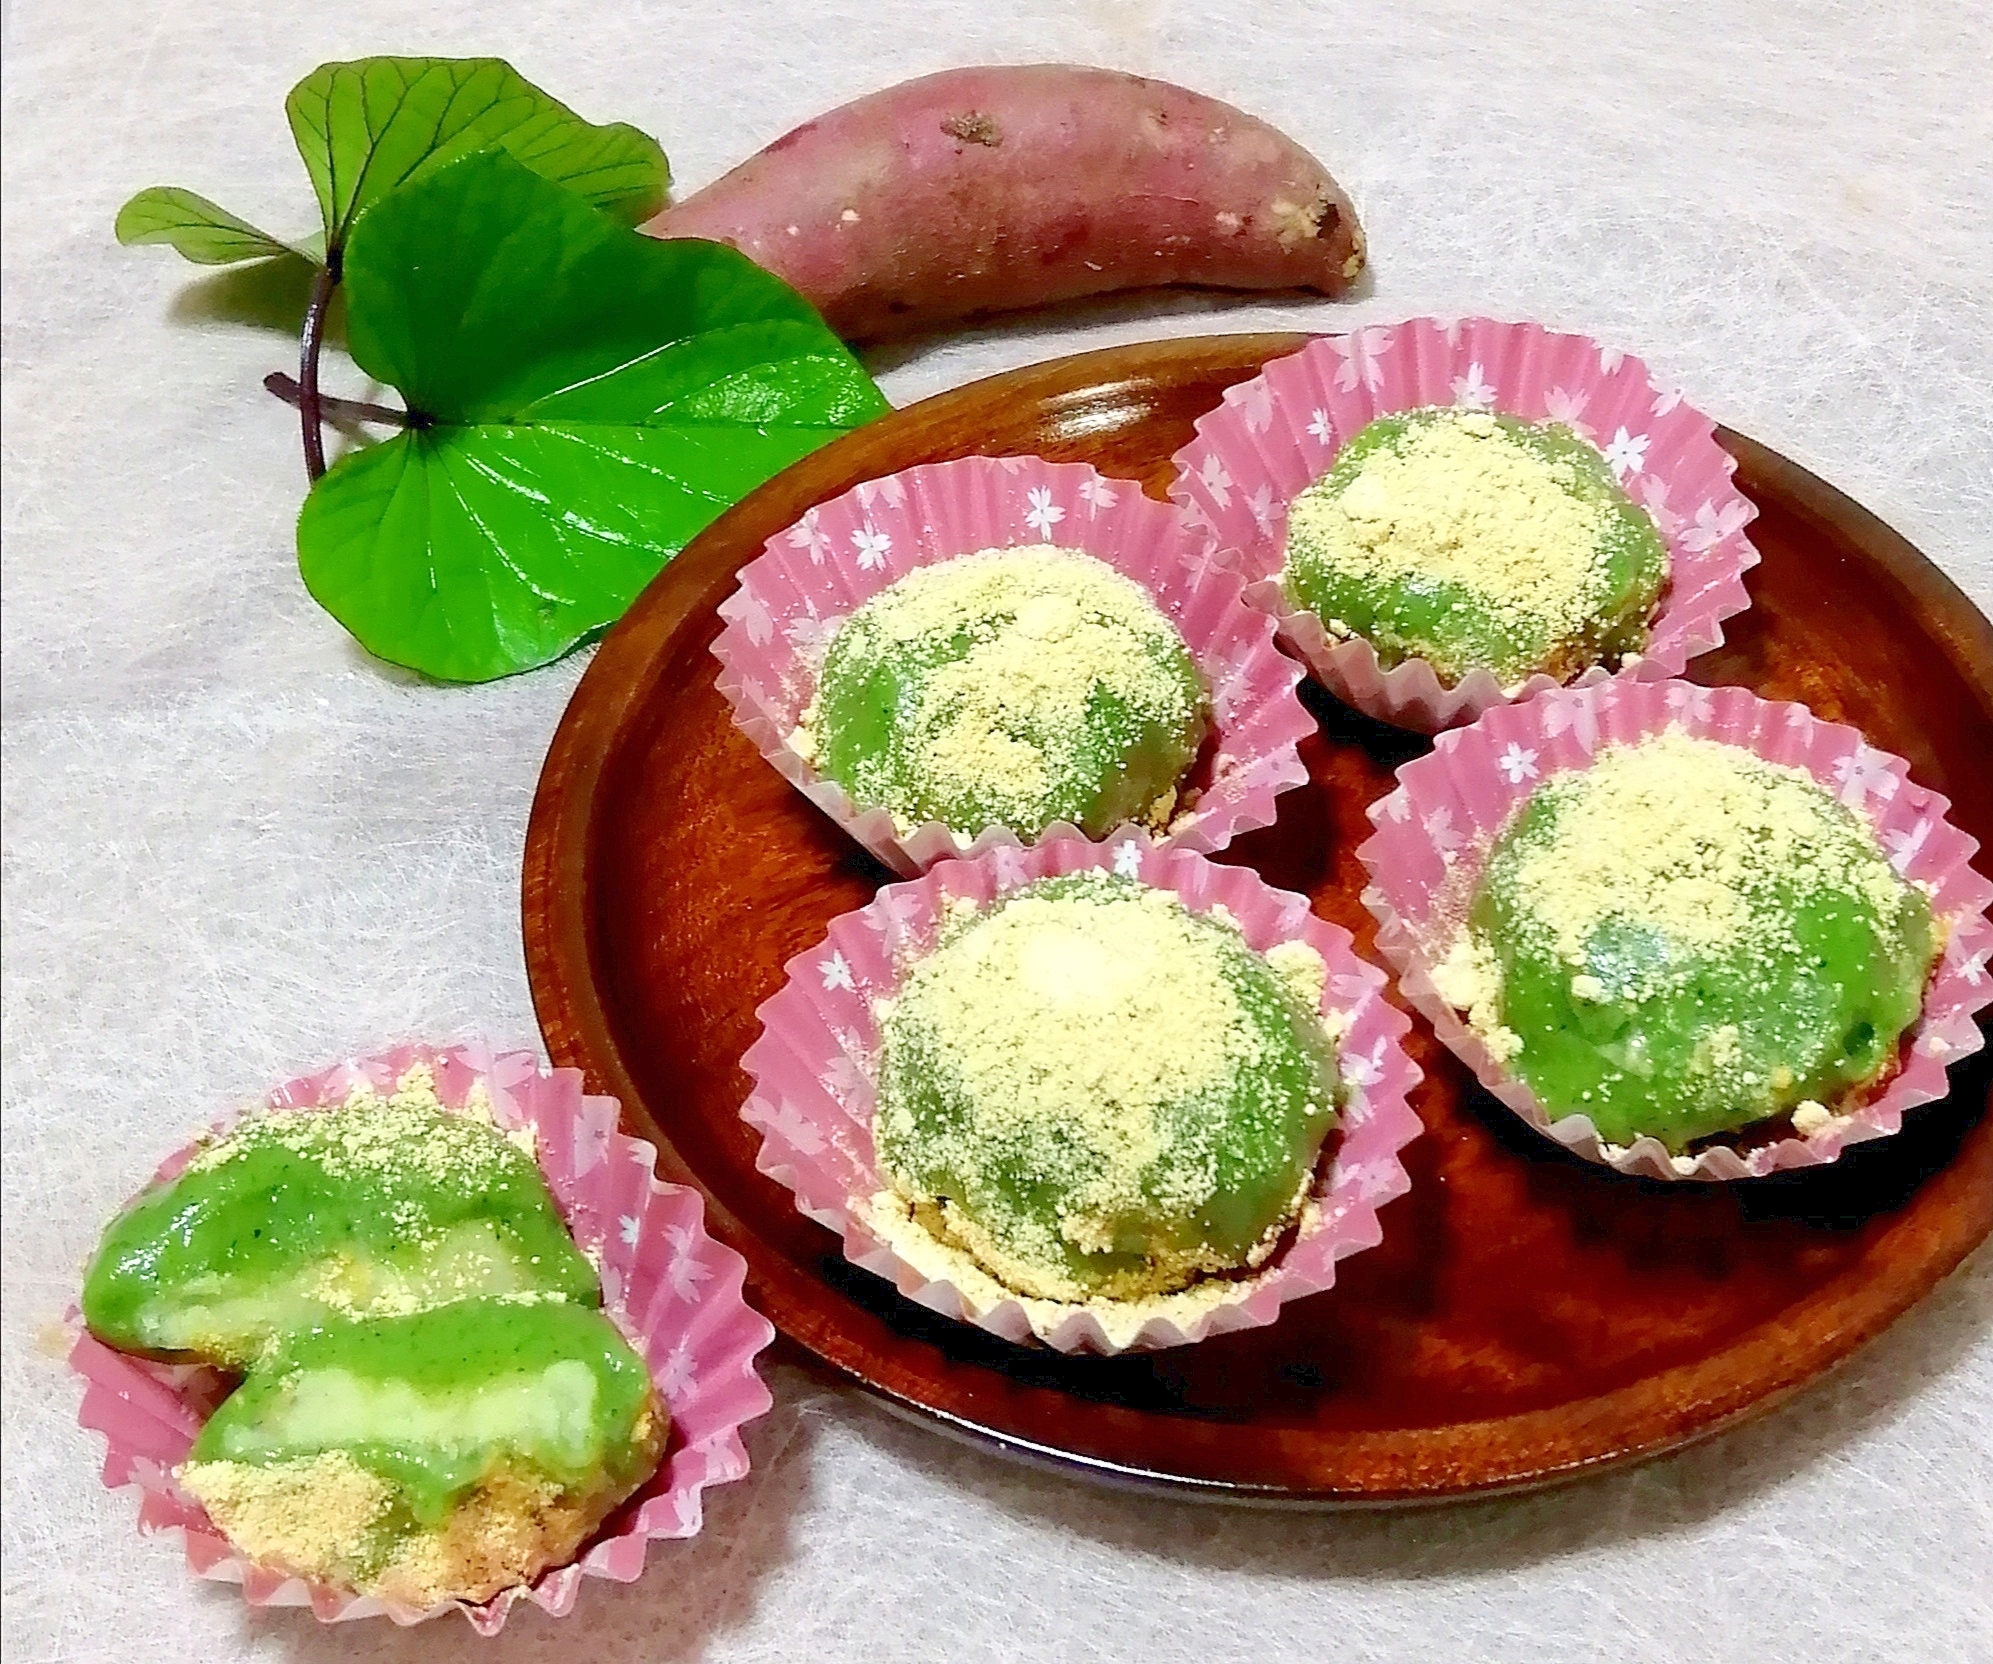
x=444 y=1455
x=1099 y=1094
x=1015 y=687
x=1682 y=940
x=1472 y=541
x=382 y=1205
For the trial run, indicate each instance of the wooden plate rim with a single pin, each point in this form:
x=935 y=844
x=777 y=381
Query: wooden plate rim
x=1670 y=1408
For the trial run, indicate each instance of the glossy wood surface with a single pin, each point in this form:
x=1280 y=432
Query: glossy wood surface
x=1528 y=1317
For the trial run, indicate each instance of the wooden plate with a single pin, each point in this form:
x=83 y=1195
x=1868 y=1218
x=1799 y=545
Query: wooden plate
x=1528 y=1317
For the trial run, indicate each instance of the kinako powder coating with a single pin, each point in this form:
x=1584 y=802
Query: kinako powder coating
x=433 y=1408
x=1098 y=1094
x=1475 y=540
x=1012 y=686
x=1683 y=938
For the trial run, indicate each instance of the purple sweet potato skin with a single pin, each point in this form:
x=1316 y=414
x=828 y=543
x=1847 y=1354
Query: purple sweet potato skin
x=981 y=190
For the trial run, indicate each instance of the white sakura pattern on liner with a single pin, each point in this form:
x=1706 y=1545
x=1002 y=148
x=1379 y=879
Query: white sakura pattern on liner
x=1215 y=480
x=1098 y=493
x=1560 y=404
x=1472 y=391
x=1861 y=772
x=890 y=911
x=808 y=533
x=1260 y=506
x=1697 y=704
x=1518 y=763
x=591 y=1146
x=1610 y=359
x=843 y=1080
x=1320 y=428
x=1012 y=464
x=1398 y=806
x=1043 y=514
x=1440 y=829
x=1374 y=1182
x=1351 y=990
x=811 y=637
x=687 y=1271
x=1627 y=453
x=724 y=1458
x=1255 y=402
x=837 y=973
x=1360 y=350
x=794 y=1128
x=675 y=1375
x=1713 y=525
x=890 y=491
x=872 y=545
x=1652 y=495
x=629 y=1228
x=1363 y=1068
x=1572 y=713
x=1007 y=865
x=1128 y=859
x=754 y=616
x=1665 y=400
x=1905 y=842
x=1973 y=969
x=1450 y=328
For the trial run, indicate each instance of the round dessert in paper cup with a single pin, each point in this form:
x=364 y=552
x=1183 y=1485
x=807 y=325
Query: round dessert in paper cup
x=1278 y=433
x=792 y=598
x=813 y=1071
x=673 y=1291
x=1434 y=831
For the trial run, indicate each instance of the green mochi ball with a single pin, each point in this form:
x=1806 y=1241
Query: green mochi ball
x=1099 y=1094
x=1475 y=541
x=1014 y=687
x=301 y=1217
x=1683 y=940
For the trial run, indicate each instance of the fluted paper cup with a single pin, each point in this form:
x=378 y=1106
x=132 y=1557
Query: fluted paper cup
x=813 y=576
x=813 y=1098
x=1434 y=832
x=1273 y=436
x=673 y=1291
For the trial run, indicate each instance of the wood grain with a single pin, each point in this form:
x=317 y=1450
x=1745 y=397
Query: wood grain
x=1528 y=1317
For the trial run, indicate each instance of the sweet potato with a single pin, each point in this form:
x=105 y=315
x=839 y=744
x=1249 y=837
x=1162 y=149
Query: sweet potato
x=979 y=190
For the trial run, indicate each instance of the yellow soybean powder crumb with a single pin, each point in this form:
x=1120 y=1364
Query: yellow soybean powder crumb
x=317 y=1516
x=896 y=1222
x=411 y=1129
x=1461 y=503
x=1057 y=969
x=1469 y=978
x=1133 y=1013
x=327 y=1517
x=1081 y=628
x=1638 y=854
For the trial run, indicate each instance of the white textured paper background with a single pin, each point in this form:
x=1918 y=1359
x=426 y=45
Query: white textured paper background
x=236 y=849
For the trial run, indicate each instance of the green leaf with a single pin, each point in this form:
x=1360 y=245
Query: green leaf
x=366 y=127
x=202 y=231
x=590 y=399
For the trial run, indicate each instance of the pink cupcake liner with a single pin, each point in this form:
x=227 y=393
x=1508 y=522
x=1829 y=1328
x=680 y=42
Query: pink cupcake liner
x=813 y=1091
x=1434 y=830
x=673 y=1290
x=1276 y=434
x=817 y=573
